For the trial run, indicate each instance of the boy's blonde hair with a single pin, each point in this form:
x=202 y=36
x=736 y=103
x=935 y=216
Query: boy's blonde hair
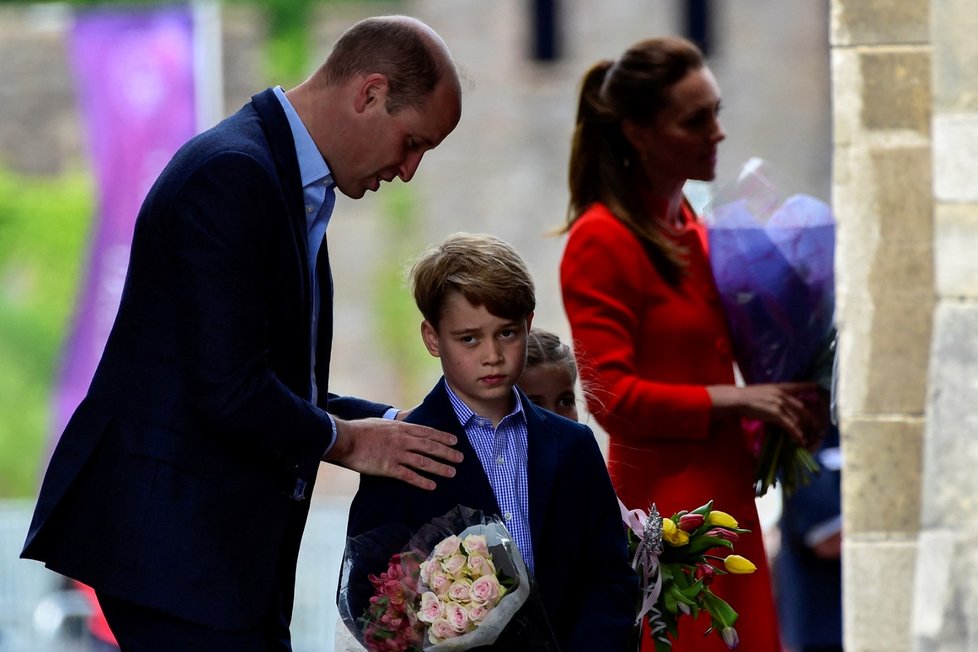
x=484 y=269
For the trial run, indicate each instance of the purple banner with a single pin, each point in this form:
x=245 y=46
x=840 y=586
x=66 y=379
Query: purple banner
x=134 y=71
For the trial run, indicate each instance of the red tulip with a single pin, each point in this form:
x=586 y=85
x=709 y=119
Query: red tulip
x=689 y=522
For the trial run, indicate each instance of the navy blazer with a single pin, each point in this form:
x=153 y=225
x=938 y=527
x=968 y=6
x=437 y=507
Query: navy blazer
x=174 y=483
x=589 y=590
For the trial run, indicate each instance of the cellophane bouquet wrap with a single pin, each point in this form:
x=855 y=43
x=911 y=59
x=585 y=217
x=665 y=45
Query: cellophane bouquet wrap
x=773 y=262
x=459 y=583
x=677 y=558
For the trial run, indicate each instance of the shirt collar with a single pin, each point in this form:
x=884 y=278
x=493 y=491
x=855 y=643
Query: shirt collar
x=312 y=165
x=465 y=414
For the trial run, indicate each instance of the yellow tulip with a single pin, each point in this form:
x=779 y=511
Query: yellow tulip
x=739 y=565
x=672 y=535
x=721 y=519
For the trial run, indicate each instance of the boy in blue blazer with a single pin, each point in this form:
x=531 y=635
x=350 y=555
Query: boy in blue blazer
x=541 y=473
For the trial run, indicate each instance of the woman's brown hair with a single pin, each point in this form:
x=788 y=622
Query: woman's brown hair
x=635 y=87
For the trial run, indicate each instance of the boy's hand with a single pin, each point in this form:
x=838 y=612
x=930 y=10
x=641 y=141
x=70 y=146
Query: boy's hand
x=394 y=449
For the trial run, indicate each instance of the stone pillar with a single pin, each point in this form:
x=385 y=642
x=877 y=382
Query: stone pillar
x=945 y=613
x=881 y=61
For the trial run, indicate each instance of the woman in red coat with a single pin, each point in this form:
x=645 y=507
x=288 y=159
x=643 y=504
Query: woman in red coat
x=647 y=323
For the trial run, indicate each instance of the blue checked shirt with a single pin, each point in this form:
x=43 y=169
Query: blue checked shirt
x=503 y=453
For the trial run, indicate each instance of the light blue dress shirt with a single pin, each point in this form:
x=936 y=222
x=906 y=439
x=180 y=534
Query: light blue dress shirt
x=502 y=451
x=319 y=198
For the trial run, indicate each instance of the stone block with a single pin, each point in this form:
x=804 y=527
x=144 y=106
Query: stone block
x=945 y=610
x=881 y=477
x=878 y=578
x=899 y=350
x=956 y=266
x=896 y=88
x=846 y=95
x=871 y=22
x=956 y=157
x=950 y=496
x=885 y=277
x=955 y=56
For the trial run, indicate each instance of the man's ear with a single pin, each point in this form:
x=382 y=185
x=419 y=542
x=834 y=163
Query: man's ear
x=372 y=92
x=430 y=337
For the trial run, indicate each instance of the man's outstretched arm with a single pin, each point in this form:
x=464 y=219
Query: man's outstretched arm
x=394 y=449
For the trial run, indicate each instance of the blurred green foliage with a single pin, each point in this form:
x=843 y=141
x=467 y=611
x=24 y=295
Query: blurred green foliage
x=44 y=225
x=398 y=320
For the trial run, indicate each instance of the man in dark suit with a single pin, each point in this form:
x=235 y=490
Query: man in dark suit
x=541 y=473
x=179 y=489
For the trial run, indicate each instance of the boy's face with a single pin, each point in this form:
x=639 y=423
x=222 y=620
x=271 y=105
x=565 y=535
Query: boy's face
x=482 y=355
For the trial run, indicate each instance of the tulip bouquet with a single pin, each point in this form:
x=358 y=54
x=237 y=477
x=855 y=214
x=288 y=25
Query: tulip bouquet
x=677 y=560
x=459 y=583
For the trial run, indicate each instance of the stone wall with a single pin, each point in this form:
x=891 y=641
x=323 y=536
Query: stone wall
x=906 y=147
x=945 y=615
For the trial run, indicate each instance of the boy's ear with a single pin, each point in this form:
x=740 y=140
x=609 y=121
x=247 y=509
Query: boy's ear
x=430 y=337
x=529 y=322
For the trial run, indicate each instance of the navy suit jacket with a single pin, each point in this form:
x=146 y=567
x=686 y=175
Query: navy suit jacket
x=589 y=590
x=174 y=483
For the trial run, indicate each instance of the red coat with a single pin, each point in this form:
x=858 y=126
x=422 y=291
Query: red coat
x=647 y=351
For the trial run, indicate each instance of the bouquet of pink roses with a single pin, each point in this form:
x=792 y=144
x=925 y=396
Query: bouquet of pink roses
x=459 y=583
x=677 y=559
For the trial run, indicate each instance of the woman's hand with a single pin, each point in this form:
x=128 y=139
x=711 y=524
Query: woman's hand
x=794 y=407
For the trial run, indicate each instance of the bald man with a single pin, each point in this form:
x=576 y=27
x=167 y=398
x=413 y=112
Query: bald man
x=179 y=489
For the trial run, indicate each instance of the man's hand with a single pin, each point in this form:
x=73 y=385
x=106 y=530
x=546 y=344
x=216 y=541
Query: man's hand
x=394 y=449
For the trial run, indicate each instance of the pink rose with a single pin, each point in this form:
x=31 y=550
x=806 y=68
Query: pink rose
x=457 y=617
x=425 y=571
x=453 y=564
x=440 y=583
x=478 y=566
x=440 y=630
x=459 y=590
x=431 y=608
x=475 y=544
x=486 y=590
x=478 y=611
x=447 y=546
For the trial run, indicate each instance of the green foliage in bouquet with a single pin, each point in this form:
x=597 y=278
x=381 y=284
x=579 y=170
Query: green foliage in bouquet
x=783 y=460
x=677 y=559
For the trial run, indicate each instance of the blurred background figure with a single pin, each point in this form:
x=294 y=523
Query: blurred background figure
x=808 y=566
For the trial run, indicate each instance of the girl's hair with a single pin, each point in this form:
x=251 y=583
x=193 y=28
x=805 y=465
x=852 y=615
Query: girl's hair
x=543 y=347
x=602 y=161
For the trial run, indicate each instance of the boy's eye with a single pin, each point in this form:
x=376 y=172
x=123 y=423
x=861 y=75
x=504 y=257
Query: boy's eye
x=507 y=333
x=467 y=339
x=565 y=400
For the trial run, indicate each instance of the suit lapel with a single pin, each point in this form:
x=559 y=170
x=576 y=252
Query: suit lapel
x=541 y=469
x=275 y=124
x=470 y=479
